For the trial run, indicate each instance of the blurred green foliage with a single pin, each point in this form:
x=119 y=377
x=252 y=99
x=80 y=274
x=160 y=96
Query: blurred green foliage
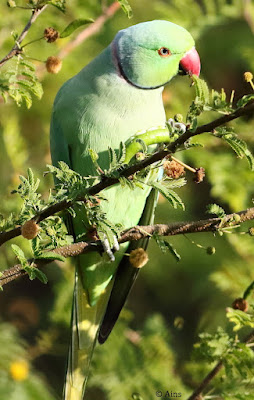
x=146 y=351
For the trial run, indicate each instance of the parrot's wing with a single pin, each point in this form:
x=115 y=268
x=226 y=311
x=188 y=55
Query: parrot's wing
x=126 y=274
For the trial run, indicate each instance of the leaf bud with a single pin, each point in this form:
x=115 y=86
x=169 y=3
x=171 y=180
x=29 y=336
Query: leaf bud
x=30 y=229
x=178 y=118
x=11 y=4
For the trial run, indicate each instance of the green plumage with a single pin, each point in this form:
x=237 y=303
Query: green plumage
x=111 y=99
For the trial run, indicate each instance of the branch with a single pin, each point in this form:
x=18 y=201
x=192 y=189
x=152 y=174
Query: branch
x=129 y=171
x=136 y=233
x=84 y=35
x=197 y=394
x=91 y=30
x=17 y=48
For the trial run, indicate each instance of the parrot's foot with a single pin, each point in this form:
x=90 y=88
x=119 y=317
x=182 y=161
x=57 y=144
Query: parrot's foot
x=108 y=250
x=176 y=126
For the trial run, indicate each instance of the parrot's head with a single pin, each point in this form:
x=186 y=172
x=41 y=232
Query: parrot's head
x=149 y=54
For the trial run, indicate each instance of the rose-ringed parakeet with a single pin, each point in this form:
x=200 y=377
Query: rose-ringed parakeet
x=114 y=97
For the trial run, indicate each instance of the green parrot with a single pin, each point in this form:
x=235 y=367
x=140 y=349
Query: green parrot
x=114 y=97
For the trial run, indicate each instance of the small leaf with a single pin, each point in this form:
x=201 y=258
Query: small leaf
x=75 y=25
x=169 y=194
x=40 y=275
x=166 y=246
x=51 y=255
x=19 y=254
x=202 y=91
x=215 y=209
x=60 y=4
x=126 y=7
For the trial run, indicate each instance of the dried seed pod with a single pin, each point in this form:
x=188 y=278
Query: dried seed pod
x=173 y=169
x=240 y=304
x=199 y=175
x=51 y=35
x=30 y=229
x=138 y=258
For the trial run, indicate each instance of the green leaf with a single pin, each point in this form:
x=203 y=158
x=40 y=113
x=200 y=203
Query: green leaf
x=51 y=255
x=169 y=194
x=240 y=318
x=237 y=144
x=19 y=254
x=215 y=209
x=112 y=158
x=245 y=100
x=166 y=247
x=126 y=8
x=202 y=91
x=40 y=275
x=75 y=25
x=60 y=4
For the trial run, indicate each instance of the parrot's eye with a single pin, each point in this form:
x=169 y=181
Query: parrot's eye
x=164 y=52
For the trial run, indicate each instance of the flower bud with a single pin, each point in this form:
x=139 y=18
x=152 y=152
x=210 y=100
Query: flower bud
x=210 y=250
x=30 y=229
x=248 y=76
x=138 y=258
x=53 y=64
x=19 y=370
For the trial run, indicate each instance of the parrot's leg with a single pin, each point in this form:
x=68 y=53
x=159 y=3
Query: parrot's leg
x=176 y=126
x=108 y=250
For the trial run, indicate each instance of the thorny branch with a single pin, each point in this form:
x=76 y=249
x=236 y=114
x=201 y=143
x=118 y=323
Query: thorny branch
x=129 y=171
x=136 y=233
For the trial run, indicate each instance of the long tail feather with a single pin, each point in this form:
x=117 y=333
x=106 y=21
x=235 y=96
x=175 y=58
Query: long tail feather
x=85 y=323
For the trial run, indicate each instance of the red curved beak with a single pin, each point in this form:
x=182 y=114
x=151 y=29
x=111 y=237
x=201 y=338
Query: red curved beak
x=190 y=63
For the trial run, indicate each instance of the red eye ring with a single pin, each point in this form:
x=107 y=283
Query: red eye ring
x=164 y=52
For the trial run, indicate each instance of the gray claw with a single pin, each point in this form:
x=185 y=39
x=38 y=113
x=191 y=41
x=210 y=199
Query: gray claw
x=176 y=126
x=107 y=249
x=116 y=246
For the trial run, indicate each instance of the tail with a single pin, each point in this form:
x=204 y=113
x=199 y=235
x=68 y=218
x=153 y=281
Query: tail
x=85 y=323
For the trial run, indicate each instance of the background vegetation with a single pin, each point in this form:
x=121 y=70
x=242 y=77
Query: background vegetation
x=151 y=348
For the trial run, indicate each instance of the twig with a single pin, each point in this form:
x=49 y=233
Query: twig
x=17 y=48
x=197 y=394
x=91 y=30
x=247 y=14
x=136 y=233
x=84 y=35
x=129 y=171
